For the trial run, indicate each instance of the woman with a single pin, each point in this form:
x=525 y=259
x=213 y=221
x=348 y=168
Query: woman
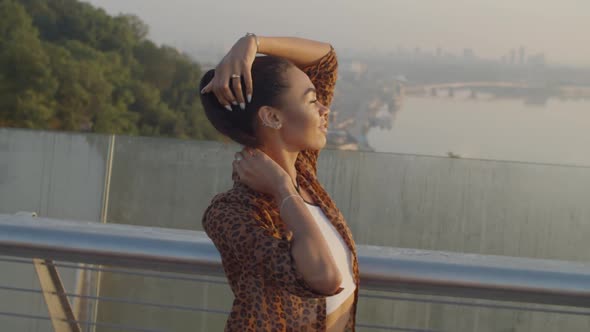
x=286 y=249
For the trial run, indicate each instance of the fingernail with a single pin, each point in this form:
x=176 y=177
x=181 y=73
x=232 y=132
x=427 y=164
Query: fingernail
x=228 y=107
x=202 y=90
x=249 y=98
x=235 y=103
x=243 y=106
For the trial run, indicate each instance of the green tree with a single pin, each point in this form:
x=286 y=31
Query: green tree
x=67 y=65
x=26 y=83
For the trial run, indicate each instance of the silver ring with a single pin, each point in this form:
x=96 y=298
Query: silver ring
x=235 y=76
x=238 y=158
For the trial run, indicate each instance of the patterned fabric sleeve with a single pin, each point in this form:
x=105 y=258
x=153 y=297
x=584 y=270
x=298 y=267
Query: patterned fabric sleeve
x=238 y=231
x=323 y=75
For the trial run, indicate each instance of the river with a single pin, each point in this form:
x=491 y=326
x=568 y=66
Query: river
x=557 y=132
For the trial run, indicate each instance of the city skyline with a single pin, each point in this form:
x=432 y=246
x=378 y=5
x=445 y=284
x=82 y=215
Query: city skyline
x=489 y=27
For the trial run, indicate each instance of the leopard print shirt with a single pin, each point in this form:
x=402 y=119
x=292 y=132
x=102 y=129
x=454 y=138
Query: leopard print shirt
x=255 y=244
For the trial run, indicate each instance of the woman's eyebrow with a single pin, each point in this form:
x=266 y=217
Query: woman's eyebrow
x=309 y=90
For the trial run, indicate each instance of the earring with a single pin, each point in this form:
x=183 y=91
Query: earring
x=275 y=126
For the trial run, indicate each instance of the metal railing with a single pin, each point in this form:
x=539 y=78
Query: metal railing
x=412 y=271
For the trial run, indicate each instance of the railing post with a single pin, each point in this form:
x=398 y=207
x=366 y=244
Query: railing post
x=104 y=212
x=60 y=311
x=58 y=305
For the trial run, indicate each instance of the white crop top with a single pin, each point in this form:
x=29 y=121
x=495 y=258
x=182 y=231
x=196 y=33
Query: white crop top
x=341 y=254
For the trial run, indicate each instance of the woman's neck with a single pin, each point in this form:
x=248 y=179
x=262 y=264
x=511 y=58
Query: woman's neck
x=285 y=159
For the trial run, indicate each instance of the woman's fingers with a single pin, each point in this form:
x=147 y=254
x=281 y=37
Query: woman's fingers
x=238 y=169
x=240 y=156
x=238 y=90
x=227 y=94
x=259 y=153
x=252 y=152
x=239 y=159
x=206 y=89
x=248 y=84
x=221 y=91
x=220 y=86
x=221 y=99
x=246 y=160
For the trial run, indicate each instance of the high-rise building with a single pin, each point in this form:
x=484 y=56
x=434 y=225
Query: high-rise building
x=468 y=54
x=536 y=59
x=521 y=55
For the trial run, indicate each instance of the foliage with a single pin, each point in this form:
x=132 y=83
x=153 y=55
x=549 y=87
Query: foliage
x=67 y=65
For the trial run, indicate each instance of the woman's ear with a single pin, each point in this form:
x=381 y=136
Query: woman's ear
x=269 y=116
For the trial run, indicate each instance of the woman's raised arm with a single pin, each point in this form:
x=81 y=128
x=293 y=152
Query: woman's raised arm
x=238 y=61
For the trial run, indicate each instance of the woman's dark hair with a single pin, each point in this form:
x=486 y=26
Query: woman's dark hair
x=269 y=82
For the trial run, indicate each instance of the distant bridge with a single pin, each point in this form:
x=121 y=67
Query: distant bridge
x=465 y=85
x=562 y=91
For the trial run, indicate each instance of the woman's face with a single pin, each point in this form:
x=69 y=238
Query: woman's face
x=305 y=119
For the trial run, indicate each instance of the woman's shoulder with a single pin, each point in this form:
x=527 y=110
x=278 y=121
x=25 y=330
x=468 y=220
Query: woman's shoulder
x=242 y=200
x=238 y=206
x=243 y=195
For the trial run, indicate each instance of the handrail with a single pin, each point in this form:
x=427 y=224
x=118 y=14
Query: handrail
x=385 y=269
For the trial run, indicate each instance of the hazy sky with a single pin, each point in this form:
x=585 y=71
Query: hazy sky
x=560 y=28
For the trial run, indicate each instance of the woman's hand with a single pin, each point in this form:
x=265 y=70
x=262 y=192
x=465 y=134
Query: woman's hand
x=259 y=172
x=238 y=61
